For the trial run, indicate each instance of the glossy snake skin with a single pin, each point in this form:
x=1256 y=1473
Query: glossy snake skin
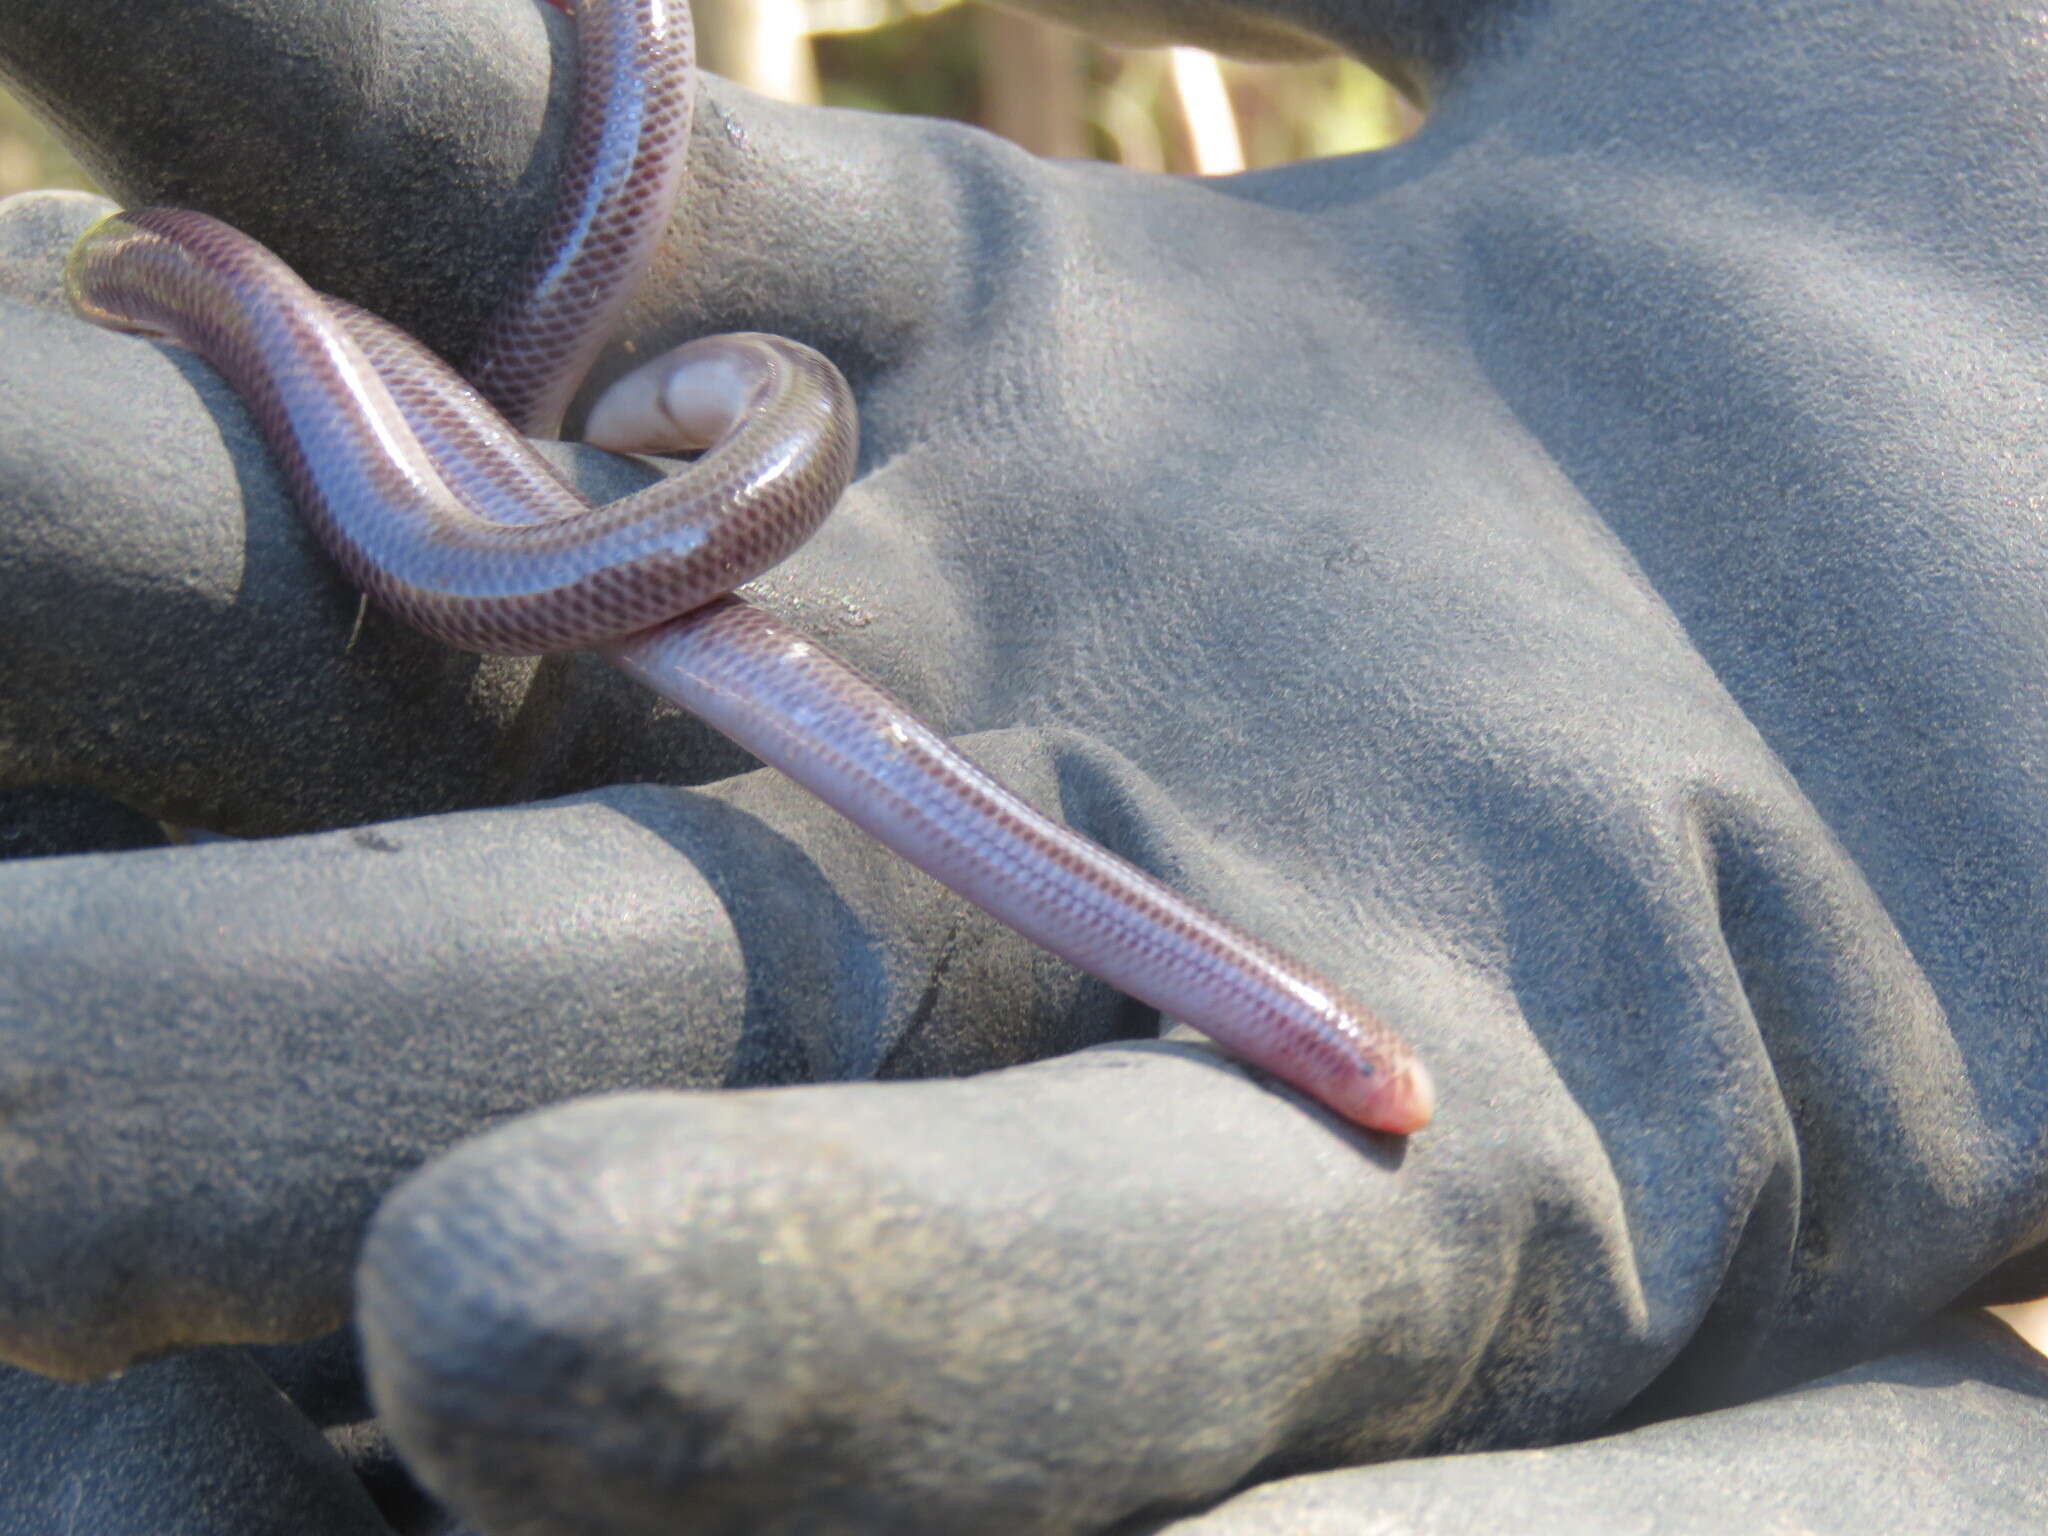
x=433 y=503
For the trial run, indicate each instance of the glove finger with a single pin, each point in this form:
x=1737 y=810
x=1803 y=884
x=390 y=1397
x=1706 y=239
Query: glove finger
x=174 y=637
x=215 y=1060
x=1034 y=1300
x=196 y=1446
x=1943 y=1436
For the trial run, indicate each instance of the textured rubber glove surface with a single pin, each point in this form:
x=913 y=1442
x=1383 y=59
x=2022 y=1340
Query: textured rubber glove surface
x=1580 y=576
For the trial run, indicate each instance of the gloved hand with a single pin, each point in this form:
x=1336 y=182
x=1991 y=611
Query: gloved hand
x=1577 y=577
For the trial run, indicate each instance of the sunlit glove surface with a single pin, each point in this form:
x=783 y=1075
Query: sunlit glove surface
x=1580 y=577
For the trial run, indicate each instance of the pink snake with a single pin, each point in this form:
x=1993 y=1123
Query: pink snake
x=433 y=503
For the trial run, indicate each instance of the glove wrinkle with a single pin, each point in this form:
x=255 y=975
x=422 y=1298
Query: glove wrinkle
x=1577 y=576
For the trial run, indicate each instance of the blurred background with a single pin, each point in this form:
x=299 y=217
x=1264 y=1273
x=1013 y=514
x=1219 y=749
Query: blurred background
x=1051 y=90
x=29 y=157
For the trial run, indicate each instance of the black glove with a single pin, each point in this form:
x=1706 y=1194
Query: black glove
x=1579 y=578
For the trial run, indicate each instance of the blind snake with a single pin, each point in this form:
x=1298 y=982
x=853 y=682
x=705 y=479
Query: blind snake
x=432 y=502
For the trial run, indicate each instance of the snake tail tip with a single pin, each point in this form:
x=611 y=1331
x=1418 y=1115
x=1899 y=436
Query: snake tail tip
x=1397 y=1102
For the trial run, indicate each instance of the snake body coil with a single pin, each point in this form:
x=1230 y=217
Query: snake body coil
x=435 y=506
